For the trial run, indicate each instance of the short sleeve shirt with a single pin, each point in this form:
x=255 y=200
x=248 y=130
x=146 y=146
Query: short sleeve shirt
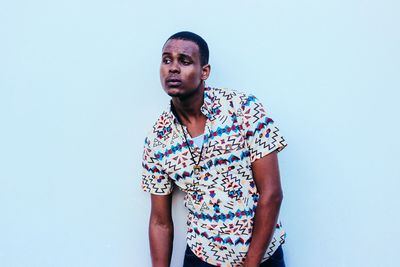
x=222 y=196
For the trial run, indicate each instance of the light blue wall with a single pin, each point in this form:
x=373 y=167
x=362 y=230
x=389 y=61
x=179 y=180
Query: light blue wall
x=79 y=89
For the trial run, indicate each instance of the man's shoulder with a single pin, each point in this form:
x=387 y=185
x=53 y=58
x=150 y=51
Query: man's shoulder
x=236 y=96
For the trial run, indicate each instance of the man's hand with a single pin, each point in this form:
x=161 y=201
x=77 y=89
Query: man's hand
x=266 y=177
x=161 y=230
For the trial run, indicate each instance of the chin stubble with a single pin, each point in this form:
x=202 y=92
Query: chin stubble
x=191 y=93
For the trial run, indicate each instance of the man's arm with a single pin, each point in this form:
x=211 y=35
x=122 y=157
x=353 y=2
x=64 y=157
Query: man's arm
x=161 y=230
x=266 y=177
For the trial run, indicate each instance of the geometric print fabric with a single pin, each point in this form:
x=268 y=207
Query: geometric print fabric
x=222 y=197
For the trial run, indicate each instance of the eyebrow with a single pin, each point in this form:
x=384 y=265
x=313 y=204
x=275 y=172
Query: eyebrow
x=180 y=54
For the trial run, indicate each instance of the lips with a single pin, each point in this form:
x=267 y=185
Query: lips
x=173 y=82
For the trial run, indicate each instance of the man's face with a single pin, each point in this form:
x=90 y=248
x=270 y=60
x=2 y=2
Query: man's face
x=180 y=71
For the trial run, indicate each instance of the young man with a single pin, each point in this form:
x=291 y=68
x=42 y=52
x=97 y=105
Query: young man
x=220 y=148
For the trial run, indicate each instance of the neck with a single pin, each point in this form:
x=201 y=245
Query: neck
x=188 y=108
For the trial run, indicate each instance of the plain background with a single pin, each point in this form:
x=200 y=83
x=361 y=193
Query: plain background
x=79 y=90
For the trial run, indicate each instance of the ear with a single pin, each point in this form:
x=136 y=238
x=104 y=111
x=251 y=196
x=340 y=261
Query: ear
x=205 y=72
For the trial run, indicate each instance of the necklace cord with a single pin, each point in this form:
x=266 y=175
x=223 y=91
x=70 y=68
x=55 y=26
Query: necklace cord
x=196 y=165
x=191 y=154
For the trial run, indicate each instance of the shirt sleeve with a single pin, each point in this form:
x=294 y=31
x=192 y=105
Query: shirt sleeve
x=262 y=134
x=154 y=179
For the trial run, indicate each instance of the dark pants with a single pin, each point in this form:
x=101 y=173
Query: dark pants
x=191 y=260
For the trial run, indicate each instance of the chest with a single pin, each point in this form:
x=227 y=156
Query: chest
x=223 y=149
x=196 y=127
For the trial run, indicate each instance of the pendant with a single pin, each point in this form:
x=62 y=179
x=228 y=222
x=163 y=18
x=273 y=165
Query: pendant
x=196 y=169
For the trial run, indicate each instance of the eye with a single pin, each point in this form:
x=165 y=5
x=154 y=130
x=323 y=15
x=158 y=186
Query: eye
x=166 y=60
x=186 y=61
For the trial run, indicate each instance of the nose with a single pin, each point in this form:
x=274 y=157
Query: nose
x=174 y=67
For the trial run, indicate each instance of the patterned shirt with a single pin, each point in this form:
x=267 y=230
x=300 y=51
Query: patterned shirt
x=222 y=197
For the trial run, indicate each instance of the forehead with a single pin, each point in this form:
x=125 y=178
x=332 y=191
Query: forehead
x=186 y=47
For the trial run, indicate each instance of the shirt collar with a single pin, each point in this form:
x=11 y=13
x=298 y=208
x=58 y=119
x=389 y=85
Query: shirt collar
x=208 y=103
x=206 y=108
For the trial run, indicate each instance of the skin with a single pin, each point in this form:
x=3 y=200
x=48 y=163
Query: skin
x=267 y=179
x=181 y=61
x=161 y=230
x=182 y=77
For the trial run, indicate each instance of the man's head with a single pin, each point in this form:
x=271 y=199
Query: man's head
x=184 y=66
x=201 y=44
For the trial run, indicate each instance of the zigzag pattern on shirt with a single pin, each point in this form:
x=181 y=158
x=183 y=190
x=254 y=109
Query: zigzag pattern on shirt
x=172 y=166
x=282 y=239
x=261 y=125
x=213 y=183
x=163 y=126
x=220 y=161
x=227 y=94
x=216 y=109
x=223 y=131
x=198 y=249
x=272 y=247
x=155 y=185
x=237 y=228
x=274 y=141
x=231 y=159
x=221 y=253
x=173 y=149
x=244 y=225
x=191 y=235
x=238 y=260
x=222 y=228
x=153 y=169
x=246 y=101
x=212 y=149
x=196 y=192
x=234 y=142
x=219 y=238
x=178 y=176
x=222 y=198
x=244 y=172
x=148 y=157
x=257 y=112
x=225 y=216
x=282 y=143
x=232 y=185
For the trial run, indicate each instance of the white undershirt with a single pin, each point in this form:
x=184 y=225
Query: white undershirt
x=198 y=140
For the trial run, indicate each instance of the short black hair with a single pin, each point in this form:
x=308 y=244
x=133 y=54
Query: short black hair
x=190 y=36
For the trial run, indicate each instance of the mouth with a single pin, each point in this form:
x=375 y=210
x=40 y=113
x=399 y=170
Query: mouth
x=173 y=82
